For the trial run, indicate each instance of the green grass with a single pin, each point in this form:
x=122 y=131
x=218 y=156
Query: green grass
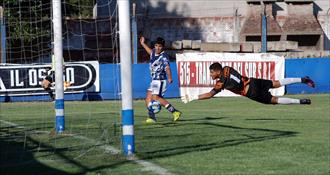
x=228 y=136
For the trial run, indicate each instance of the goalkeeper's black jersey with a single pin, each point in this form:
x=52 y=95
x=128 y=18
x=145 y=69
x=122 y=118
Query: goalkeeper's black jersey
x=231 y=80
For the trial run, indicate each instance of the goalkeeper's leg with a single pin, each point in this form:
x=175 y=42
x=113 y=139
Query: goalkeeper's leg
x=282 y=100
x=287 y=81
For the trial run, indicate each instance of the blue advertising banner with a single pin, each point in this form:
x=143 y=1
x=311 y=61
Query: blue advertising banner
x=109 y=80
x=18 y=80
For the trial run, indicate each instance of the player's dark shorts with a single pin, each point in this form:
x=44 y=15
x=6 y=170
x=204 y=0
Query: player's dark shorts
x=259 y=90
x=50 y=77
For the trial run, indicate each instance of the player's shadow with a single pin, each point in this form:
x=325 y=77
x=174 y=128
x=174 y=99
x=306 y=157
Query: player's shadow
x=262 y=119
x=22 y=153
x=166 y=124
x=17 y=158
x=203 y=119
x=37 y=126
x=203 y=136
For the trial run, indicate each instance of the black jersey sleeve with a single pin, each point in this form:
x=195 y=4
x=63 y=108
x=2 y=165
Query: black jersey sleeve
x=215 y=91
x=217 y=87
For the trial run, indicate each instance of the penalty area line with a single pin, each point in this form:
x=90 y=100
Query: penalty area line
x=147 y=166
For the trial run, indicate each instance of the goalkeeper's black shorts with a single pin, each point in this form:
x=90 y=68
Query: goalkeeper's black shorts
x=50 y=77
x=259 y=90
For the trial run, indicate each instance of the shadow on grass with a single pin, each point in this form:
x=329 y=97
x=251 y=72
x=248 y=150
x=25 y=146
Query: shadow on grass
x=21 y=152
x=200 y=135
x=16 y=156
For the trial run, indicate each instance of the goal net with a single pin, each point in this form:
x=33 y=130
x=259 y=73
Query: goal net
x=27 y=118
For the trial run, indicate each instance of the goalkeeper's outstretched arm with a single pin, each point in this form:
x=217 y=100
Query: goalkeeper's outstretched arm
x=217 y=88
x=206 y=95
x=188 y=98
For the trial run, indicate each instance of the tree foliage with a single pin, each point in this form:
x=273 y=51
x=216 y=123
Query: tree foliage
x=26 y=20
x=78 y=8
x=29 y=23
x=30 y=19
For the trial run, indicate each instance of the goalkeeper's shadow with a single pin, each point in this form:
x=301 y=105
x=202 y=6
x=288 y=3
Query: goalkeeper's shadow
x=195 y=143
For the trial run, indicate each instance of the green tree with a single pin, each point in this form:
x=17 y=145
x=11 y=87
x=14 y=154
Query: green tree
x=78 y=8
x=28 y=22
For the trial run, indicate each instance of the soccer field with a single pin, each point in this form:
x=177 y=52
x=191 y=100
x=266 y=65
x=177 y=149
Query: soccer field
x=226 y=136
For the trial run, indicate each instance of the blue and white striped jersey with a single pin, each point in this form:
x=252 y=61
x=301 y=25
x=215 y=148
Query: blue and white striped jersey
x=158 y=65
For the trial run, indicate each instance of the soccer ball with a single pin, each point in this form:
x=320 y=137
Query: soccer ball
x=154 y=106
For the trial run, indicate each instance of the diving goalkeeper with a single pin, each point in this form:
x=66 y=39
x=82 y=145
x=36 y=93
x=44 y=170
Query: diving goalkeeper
x=49 y=80
x=252 y=88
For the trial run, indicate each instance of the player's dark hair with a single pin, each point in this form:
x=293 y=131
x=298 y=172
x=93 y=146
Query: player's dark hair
x=160 y=40
x=215 y=66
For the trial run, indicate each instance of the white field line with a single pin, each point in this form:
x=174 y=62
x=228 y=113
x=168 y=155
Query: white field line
x=147 y=166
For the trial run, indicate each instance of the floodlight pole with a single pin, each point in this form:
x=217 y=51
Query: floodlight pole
x=126 y=77
x=58 y=53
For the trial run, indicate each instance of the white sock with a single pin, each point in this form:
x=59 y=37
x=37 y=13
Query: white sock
x=288 y=101
x=287 y=81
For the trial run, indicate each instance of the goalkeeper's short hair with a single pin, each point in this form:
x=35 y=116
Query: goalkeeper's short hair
x=215 y=66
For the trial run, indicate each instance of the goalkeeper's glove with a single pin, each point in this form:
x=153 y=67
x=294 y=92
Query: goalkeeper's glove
x=66 y=84
x=188 y=98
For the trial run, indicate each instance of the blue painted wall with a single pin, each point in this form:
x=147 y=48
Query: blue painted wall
x=110 y=81
x=317 y=68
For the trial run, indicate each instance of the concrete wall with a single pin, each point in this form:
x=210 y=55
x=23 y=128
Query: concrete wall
x=211 y=21
x=324 y=20
x=323 y=15
x=217 y=21
x=321 y=9
x=190 y=9
x=207 y=29
x=176 y=20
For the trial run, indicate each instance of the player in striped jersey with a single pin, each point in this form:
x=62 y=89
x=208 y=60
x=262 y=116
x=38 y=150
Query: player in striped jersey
x=161 y=75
